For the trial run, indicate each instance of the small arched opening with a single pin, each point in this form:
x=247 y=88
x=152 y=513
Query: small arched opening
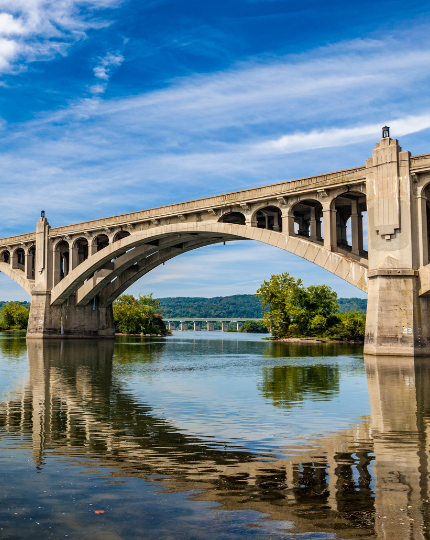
x=349 y=222
x=101 y=241
x=269 y=218
x=308 y=220
x=31 y=263
x=81 y=250
x=61 y=260
x=5 y=256
x=120 y=235
x=18 y=259
x=426 y=194
x=233 y=217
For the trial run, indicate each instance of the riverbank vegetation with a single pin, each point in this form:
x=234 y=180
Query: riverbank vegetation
x=291 y=310
x=254 y=327
x=140 y=315
x=14 y=316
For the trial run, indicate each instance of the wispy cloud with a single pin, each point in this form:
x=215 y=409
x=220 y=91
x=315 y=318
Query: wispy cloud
x=297 y=142
x=256 y=123
x=39 y=29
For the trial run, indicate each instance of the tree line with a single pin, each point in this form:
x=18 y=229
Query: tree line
x=287 y=307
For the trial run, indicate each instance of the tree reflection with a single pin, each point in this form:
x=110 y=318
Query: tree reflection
x=136 y=349
x=285 y=349
x=13 y=345
x=288 y=385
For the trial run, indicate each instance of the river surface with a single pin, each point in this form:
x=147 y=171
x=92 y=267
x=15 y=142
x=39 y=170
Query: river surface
x=210 y=435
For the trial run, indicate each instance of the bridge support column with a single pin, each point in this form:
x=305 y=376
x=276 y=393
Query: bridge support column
x=397 y=317
x=224 y=326
x=28 y=264
x=67 y=320
x=210 y=326
x=172 y=325
x=356 y=229
x=73 y=256
x=197 y=326
x=288 y=221
x=313 y=225
x=329 y=221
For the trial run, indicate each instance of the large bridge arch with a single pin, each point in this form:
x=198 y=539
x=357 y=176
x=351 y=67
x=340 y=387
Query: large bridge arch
x=18 y=276
x=129 y=258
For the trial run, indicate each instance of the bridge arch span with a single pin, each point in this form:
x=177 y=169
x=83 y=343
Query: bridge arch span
x=18 y=276
x=114 y=261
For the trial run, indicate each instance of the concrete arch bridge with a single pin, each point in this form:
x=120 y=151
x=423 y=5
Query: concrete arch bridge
x=74 y=273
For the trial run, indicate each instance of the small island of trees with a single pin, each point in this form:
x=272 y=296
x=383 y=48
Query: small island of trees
x=140 y=315
x=291 y=310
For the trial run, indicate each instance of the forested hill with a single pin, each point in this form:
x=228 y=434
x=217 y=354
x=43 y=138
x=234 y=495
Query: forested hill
x=238 y=305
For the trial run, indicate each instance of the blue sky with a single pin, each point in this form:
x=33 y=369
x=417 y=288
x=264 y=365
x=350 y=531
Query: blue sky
x=110 y=106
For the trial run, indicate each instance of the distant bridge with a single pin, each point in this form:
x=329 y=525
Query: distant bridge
x=183 y=322
x=75 y=272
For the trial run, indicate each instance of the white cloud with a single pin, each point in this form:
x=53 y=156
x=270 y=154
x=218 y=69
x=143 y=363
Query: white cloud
x=39 y=29
x=104 y=70
x=339 y=137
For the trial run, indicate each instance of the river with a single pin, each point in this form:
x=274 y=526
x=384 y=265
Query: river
x=211 y=435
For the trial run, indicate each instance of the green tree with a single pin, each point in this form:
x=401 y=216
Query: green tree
x=138 y=315
x=147 y=300
x=14 y=316
x=253 y=327
x=290 y=309
x=351 y=325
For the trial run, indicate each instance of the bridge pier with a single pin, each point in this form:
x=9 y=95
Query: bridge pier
x=67 y=319
x=397 y=316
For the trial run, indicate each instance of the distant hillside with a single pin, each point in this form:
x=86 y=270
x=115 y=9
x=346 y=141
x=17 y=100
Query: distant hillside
x=238 y=305
x=350 y=304
x=25 y=304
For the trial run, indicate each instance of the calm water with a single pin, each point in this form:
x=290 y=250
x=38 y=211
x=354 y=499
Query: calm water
x=206 y=435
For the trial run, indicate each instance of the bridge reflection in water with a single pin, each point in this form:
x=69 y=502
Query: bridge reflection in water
x=371 y=478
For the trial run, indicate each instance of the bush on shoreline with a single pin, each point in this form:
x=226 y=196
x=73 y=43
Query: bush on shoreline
x=14 y=316
x=140 y=315
x=292 y=310
x=253 y=327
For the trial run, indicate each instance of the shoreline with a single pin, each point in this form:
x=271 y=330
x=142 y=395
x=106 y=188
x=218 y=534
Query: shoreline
x=144 y=335
x=316 y=340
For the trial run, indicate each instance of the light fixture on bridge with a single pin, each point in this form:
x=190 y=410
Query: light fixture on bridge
x=385 y=132
x=42 y=213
